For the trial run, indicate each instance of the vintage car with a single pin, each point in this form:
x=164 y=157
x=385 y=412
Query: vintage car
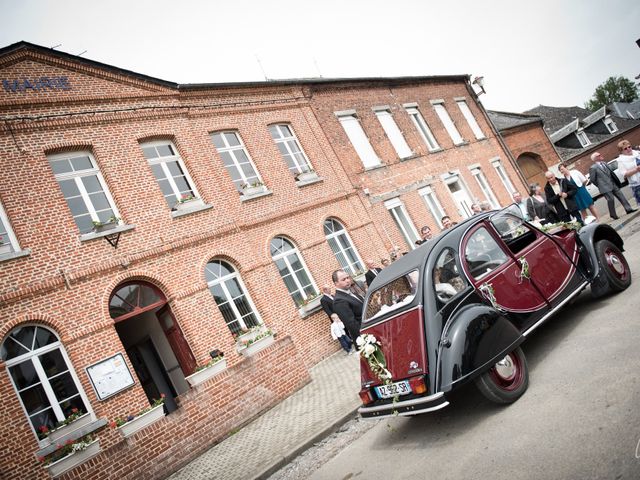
x=458 y=308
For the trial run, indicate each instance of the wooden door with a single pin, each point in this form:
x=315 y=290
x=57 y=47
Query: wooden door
x=177 y=341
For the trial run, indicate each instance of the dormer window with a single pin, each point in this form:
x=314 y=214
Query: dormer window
x=582 y=138
x=610 y=124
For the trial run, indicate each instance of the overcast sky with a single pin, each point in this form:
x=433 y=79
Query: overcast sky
x=549 y=52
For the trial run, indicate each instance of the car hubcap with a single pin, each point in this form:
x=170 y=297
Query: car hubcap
x=615 y=264
x=507 y=373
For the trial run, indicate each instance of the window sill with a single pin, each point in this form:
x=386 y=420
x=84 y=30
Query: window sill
x=410 y=157
x=79 y=433
x=310 y=308
x=189 y=210
x=310 y=181
x=436 y=150
x=85 y=237
x=375 y=167
x=461 y=144
x=244 y=197
x=5 y=257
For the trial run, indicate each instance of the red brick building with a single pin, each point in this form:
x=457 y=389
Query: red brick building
x=145 y=224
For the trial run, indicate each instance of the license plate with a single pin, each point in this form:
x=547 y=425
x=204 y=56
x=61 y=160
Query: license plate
x=398 y=388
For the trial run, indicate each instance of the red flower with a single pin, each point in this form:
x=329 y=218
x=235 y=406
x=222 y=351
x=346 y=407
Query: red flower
x=43 y=428
x=74 y=410
x=68 y=442
x=41 y=459
x=113 y=424
x=162 y=395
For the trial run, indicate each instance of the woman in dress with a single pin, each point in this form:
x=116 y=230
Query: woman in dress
x=537 y=207
x=582 y=197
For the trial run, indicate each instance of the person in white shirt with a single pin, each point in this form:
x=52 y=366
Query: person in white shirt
x=517 y=198
x=583 y=197
x=338 y=333
x=629 y=165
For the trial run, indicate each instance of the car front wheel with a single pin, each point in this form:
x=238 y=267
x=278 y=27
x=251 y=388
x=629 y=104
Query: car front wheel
x=614 y=266
x=507 y=380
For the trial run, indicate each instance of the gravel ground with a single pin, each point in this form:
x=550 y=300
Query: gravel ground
x=310 y=460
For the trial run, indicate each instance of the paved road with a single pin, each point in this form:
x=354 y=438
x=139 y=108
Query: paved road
x=579 y=419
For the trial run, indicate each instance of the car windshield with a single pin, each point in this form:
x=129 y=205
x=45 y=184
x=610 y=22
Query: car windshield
x=395 y=294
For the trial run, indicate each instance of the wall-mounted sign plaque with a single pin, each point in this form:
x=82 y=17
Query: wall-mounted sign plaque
x=110 y=376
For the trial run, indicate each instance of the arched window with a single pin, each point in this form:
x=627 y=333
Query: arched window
x=293 y=270
x=133 y=298
x=41 y=373
x=342 y=246
x=230 y=295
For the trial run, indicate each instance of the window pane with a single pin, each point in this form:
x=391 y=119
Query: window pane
x=158 y=172
x=275 y=134
x=218 y=293
x=34 y=399
x=149 y=152
x=77 y=206
x=183 y=185
x=165 y=150
x=24 y=374
x=44 y=337
x=81 y=163
x=84 y=223
x=60 y=166
x=165 y=187
x=24 y=335
x=174 y=168
x=217 y=140
x=69 y=188
x=234 y=288
x=232 y=139
x=75 y=402
x=92 y=184
x=63 y=386
x=227 y=159
x=99 y=201
x=148 y=296
x=227 y=312
x=44 y=418
x=53 y=363
x=483 y=254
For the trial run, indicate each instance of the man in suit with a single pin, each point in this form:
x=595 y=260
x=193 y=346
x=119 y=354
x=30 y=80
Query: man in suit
x=560 y=195
x=326 y=301
x=425 y=235
x=347 y=305
x=600 y=176
x=372 y=272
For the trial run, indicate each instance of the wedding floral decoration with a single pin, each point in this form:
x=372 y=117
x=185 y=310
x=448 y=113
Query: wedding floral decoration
x=370 y=349
x=490 y=294
x=561 y=226
x=525 y=273
x=119 y=421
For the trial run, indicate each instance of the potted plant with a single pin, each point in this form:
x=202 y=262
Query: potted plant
x=259 y=342
x=71 y=454
x=216 y=365
x=76 y=420
x=251 y=189
x=107 y=225
x=133 y=423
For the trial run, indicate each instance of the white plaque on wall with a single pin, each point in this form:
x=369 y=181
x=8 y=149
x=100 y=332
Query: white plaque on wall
x=110 y=376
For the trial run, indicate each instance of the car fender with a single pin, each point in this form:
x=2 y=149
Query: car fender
x=475 y=339
x=588 y=236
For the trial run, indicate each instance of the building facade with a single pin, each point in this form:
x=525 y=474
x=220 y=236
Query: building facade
x=146 y=225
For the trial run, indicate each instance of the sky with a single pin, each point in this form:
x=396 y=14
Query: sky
x=530 y=53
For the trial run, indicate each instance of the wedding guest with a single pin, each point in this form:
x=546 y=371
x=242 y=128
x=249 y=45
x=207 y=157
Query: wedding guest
x=603 y=177
x=561 y=194
x=629 y=165
x=537 y=207
x=582 y=197
x=338 y=333
x=475 y=209
x=522 y=205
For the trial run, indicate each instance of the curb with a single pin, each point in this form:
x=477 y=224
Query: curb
x=305 y=445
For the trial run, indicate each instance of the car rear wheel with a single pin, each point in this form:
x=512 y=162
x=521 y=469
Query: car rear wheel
x=615 y=268
x=507 y=380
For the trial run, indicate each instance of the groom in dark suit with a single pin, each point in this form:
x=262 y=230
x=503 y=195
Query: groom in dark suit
x=347 y=305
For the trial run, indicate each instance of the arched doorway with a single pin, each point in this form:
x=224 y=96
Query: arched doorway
x=533 y=168
x=152 y=339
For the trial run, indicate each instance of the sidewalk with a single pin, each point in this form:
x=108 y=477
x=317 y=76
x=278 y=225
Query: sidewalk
x=279 y=435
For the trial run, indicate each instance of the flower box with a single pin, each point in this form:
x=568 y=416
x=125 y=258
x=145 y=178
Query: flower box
x=142 y=421
x=188 y=204
x=103 y=227
x=74 y=459
x=251 y=334
x=252 y=190
x=62 y=432
x=306 y=176
x=206 y=373
x=310 y=306
x=256 y=346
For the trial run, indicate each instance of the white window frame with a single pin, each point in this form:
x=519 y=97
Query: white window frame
x=283 y=256
x=359 y=139
x=447 y=122
x=229 y=298
x=162 y=161
x=610 y=124
x=397 y=208
x=33 y=357
x=76 y=176
x=471 y=120
x=232 y=153
x=504 y=178
x=433 y=204
x=583 y=138
x=351 y=268
x=422 y=127
x=483 y=183
x=450 y=178
x=283 y=140
x=12 y=246
x=390 y=127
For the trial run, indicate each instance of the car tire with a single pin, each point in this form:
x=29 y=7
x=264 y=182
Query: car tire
x=614 y=267
x=507 y=380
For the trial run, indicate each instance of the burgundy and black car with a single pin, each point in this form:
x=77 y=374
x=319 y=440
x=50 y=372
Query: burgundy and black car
x=458 y=308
